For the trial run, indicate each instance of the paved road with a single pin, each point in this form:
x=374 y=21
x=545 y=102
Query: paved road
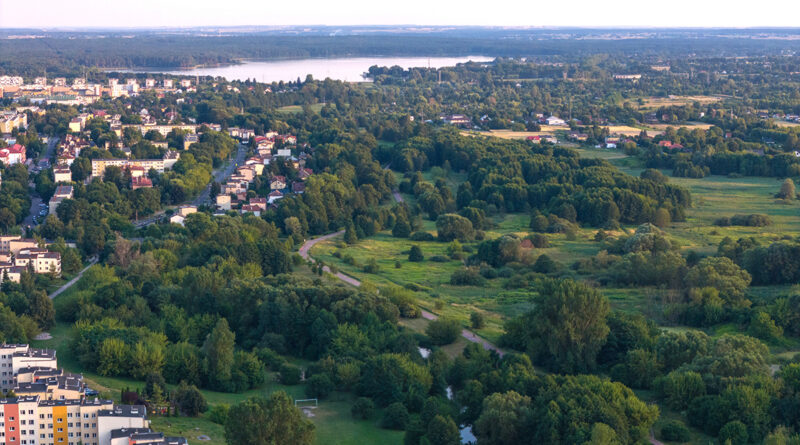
x=69 y=283
x=222 y=175
x=35 y=198
x=305 y=250
x=204 y=196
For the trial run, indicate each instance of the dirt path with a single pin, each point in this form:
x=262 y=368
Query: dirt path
x=305 y=250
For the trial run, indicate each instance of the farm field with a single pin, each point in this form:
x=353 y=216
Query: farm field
x=656 y=102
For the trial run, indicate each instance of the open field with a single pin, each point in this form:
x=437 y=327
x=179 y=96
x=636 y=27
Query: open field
x=547 y=130
x=787 y=124
x=687 y=125
x=657 y=102
x=433 y=278
x=297 y=108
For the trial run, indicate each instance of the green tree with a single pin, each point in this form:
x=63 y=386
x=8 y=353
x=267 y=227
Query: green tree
x=442 y=430
x=42 y=311
x=350 y=236
x=402 y=228
x=502 y=420
x=722 y=274
x=218 y=350
x=395 y=417
x=261 y=421
x=189 y=400
x=454 y=227
x=415 y=254
x=362 y=408
x=443 y=330
x=112 y=358
x=787 y=190
x=146 y=357
x=477 y=320
x=733 y=433
x=567 y=327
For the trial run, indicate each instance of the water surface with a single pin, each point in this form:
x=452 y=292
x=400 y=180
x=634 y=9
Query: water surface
x=347 y=69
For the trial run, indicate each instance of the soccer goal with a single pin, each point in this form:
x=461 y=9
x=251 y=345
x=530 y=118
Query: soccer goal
x=306 y=403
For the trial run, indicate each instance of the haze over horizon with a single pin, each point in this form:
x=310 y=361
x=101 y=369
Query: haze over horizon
x=580 y=13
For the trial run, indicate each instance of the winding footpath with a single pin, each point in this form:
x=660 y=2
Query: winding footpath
x=305 y=252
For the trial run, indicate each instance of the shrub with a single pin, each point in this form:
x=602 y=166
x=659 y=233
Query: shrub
x=539 y=241
x=371 y=266
x=735 y=432
x=415 y=254
x=395 y=417
x=675 y=431
x=219 y=413
x=439 y=259
x=443 y=331
x=362 y=408
x=467 y=276
x=319 y=386
x=422 y=236
x=545 y=264
x=477 y=320
x=290 y=374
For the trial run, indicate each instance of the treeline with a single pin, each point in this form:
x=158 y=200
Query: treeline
x=509 y=176
x=722 y=383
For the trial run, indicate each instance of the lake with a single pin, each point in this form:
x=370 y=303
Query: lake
x=347 y=69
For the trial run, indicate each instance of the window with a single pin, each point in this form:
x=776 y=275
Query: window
x=30 y=411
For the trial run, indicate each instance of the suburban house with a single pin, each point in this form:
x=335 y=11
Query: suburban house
x=274 y=196
x=13 y=155
x=277 y=183
x=557 y=121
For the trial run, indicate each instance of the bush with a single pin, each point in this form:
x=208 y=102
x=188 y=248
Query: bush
x=362 y=408
x=735 y=432
x=422 y=236
x=443 y=331
x=477 y=320
x=539 y=241
x=319 y=386
x=290 y=374
x=219 y=413
x=752 y=220
x=545 y=264
x=675 y=431
x=189 y=400
x=371 y=266
x=415 y=254
x=395 y=417
x=439 y=259
x=468 y=276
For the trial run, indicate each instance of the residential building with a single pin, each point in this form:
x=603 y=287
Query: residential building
x=121 y=416
x=41 y=261
x=188 y=140
x=15 y=357
x=62 y=192
x=62 y=173
x=274 y=196
x=556 y=121
x=277 y=182
x=99 y=165
x=141 y=182
x=13 y=155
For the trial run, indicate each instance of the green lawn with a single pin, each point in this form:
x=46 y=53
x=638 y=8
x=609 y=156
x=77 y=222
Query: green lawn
x=294 y=109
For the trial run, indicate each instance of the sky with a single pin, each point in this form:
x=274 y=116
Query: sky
x=579 y=13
